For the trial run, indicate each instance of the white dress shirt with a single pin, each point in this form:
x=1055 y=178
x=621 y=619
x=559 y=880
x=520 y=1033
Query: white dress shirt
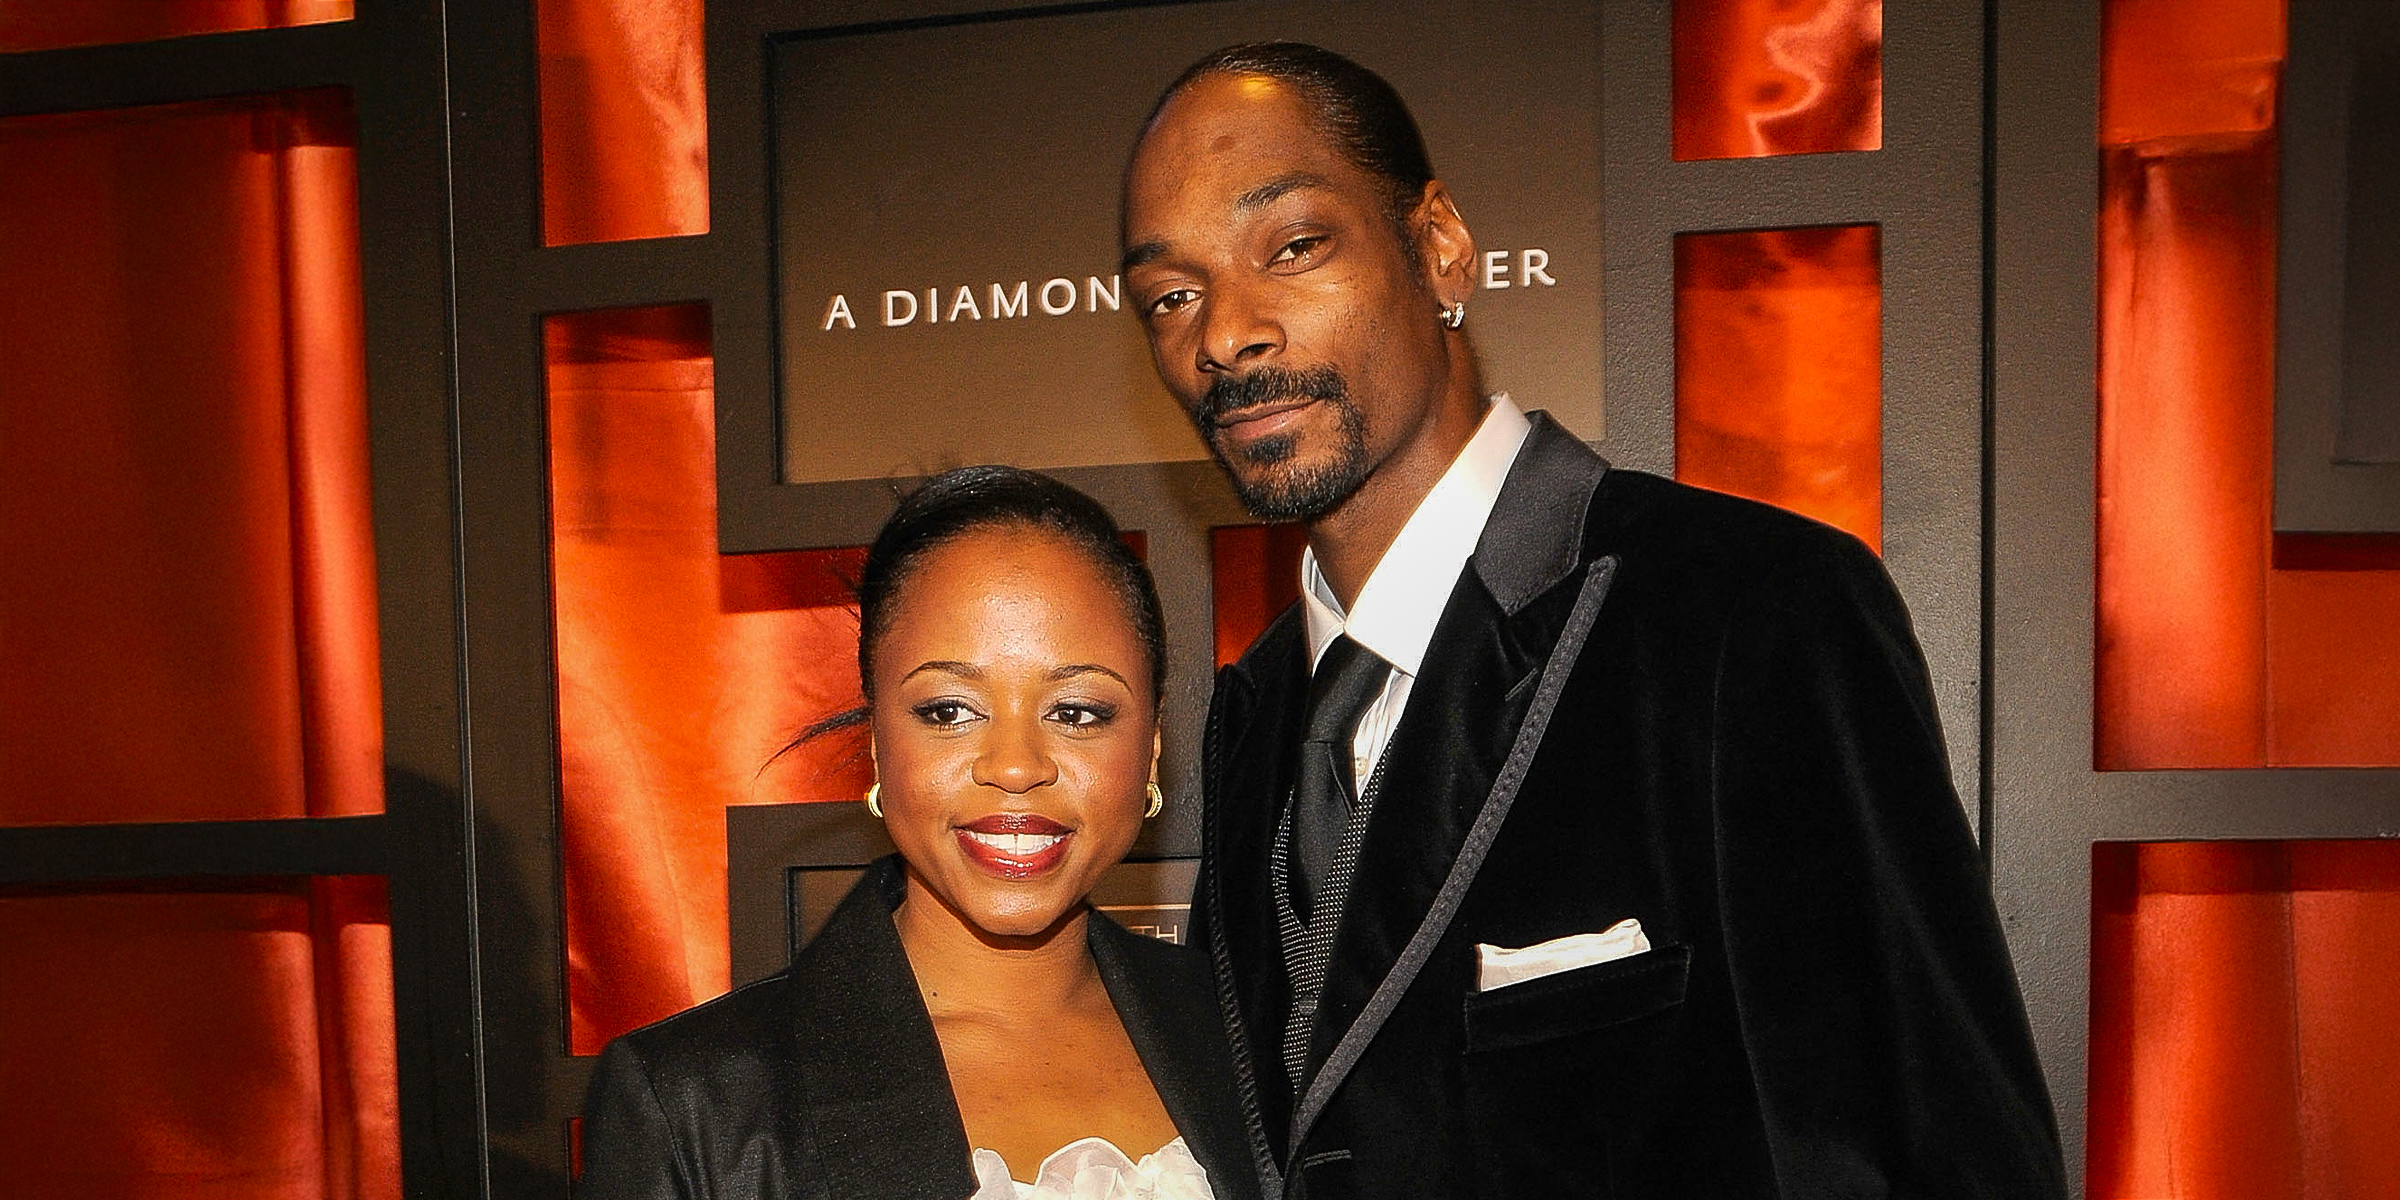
x=1411 y=584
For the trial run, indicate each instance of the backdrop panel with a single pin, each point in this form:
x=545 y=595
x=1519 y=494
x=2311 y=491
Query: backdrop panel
x=946 y=213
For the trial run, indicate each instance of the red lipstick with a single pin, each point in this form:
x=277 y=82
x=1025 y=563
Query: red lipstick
x=1014 y=845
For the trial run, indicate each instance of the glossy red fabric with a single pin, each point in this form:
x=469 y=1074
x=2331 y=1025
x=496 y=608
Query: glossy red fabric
x=2186 y=455
x=680 y=671
x=2243 y=1006
x=1779 y=369
x=2244 y=997
x=1761 y=77
x=198 y=1041
x=189 y=633
x=624 y=110
x=52 y=24
x=2210 y=652
x=191 y=584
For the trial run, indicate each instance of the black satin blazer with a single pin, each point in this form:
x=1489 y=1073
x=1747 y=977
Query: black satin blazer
x=1642 y=700
x=826 y=1081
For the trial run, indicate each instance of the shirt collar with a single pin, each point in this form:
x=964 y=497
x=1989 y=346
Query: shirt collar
x=1401 y=602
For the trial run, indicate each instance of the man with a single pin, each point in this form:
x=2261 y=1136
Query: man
x=1579 y=833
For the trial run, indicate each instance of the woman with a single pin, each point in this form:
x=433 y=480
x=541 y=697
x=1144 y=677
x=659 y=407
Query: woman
x=962 y=1022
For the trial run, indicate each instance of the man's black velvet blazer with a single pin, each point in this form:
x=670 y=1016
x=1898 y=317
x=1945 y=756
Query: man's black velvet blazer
x=1741 y=752
x=825 y=1082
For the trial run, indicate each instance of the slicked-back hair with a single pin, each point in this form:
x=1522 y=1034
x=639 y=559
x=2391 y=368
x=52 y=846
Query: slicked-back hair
x=969 y=500
x=1348 y=103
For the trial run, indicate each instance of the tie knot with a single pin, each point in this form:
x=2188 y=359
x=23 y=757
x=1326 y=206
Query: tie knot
x=1347 y=677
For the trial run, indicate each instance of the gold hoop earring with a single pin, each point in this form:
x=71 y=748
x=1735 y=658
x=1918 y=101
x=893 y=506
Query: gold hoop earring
x=1158 y=801
x=875 y=799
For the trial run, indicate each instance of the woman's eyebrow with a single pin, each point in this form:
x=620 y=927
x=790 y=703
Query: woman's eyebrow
x=1073 y=669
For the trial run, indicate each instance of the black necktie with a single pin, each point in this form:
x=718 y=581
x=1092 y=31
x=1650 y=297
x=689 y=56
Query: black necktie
x=1347 y=677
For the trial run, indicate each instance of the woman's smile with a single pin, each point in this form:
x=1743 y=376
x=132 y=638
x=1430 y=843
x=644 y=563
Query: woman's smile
x=1015 y=845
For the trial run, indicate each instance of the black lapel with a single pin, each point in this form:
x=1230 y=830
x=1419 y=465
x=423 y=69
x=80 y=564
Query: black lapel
x=1164 y=996
x=873 y=1099
x=1253 y=736
x=1463 y=713
x=1535 y=535
x=1471 y=695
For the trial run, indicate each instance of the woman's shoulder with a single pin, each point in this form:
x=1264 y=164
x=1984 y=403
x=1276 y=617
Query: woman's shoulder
x=849 y=966
x=728 y=1041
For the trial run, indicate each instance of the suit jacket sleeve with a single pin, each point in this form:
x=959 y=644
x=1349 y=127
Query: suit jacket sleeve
x=630 y=1151
x=1878 y=1008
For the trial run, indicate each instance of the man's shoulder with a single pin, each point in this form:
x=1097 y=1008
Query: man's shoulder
x=1638 y=516
x=1706 y=559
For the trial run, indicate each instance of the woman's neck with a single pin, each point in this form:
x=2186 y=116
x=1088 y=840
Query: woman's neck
x=1036 y=1053
x=963 y=971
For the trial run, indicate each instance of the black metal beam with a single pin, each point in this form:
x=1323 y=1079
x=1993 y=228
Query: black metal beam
x=102 y=853
x=178 y=69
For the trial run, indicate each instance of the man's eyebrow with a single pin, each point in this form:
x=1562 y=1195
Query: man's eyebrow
x=1138 y=255
x=1276 y=189
x=1250 y=201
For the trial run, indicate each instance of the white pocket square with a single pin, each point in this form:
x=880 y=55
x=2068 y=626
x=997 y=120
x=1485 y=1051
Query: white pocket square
x=1499 y=966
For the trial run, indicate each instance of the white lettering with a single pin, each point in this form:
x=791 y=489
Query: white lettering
x=1495 y=269
x=1062 y=295
x=1008 y=304
x=1532 y=265
x=1060 y=308
x=839 y=310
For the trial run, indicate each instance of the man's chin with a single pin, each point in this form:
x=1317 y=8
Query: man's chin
x=1292 y=492
x=1277 y=483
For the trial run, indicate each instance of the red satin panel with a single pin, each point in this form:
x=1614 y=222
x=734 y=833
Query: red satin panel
x=2211 y=652
x=1779 y=369
x=52 y=24
x=2333 y=648
x=189 y=607
x=190 y=633
x=1755 y=78
x=2186 y=454
x=2244 y=1002
x=227 y=1040
x=680 y=671
x=624 y=109
x=1254 y=572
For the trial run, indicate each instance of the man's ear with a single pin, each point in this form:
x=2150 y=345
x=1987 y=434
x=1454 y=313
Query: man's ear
x=1444 y=245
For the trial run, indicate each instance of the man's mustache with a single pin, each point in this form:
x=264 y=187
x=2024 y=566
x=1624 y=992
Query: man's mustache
x=1267 y=385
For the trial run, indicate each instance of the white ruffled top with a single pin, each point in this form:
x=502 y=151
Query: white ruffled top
x=1094 y=1169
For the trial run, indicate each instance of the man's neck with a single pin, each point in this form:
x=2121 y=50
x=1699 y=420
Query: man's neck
x=1349 y=541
